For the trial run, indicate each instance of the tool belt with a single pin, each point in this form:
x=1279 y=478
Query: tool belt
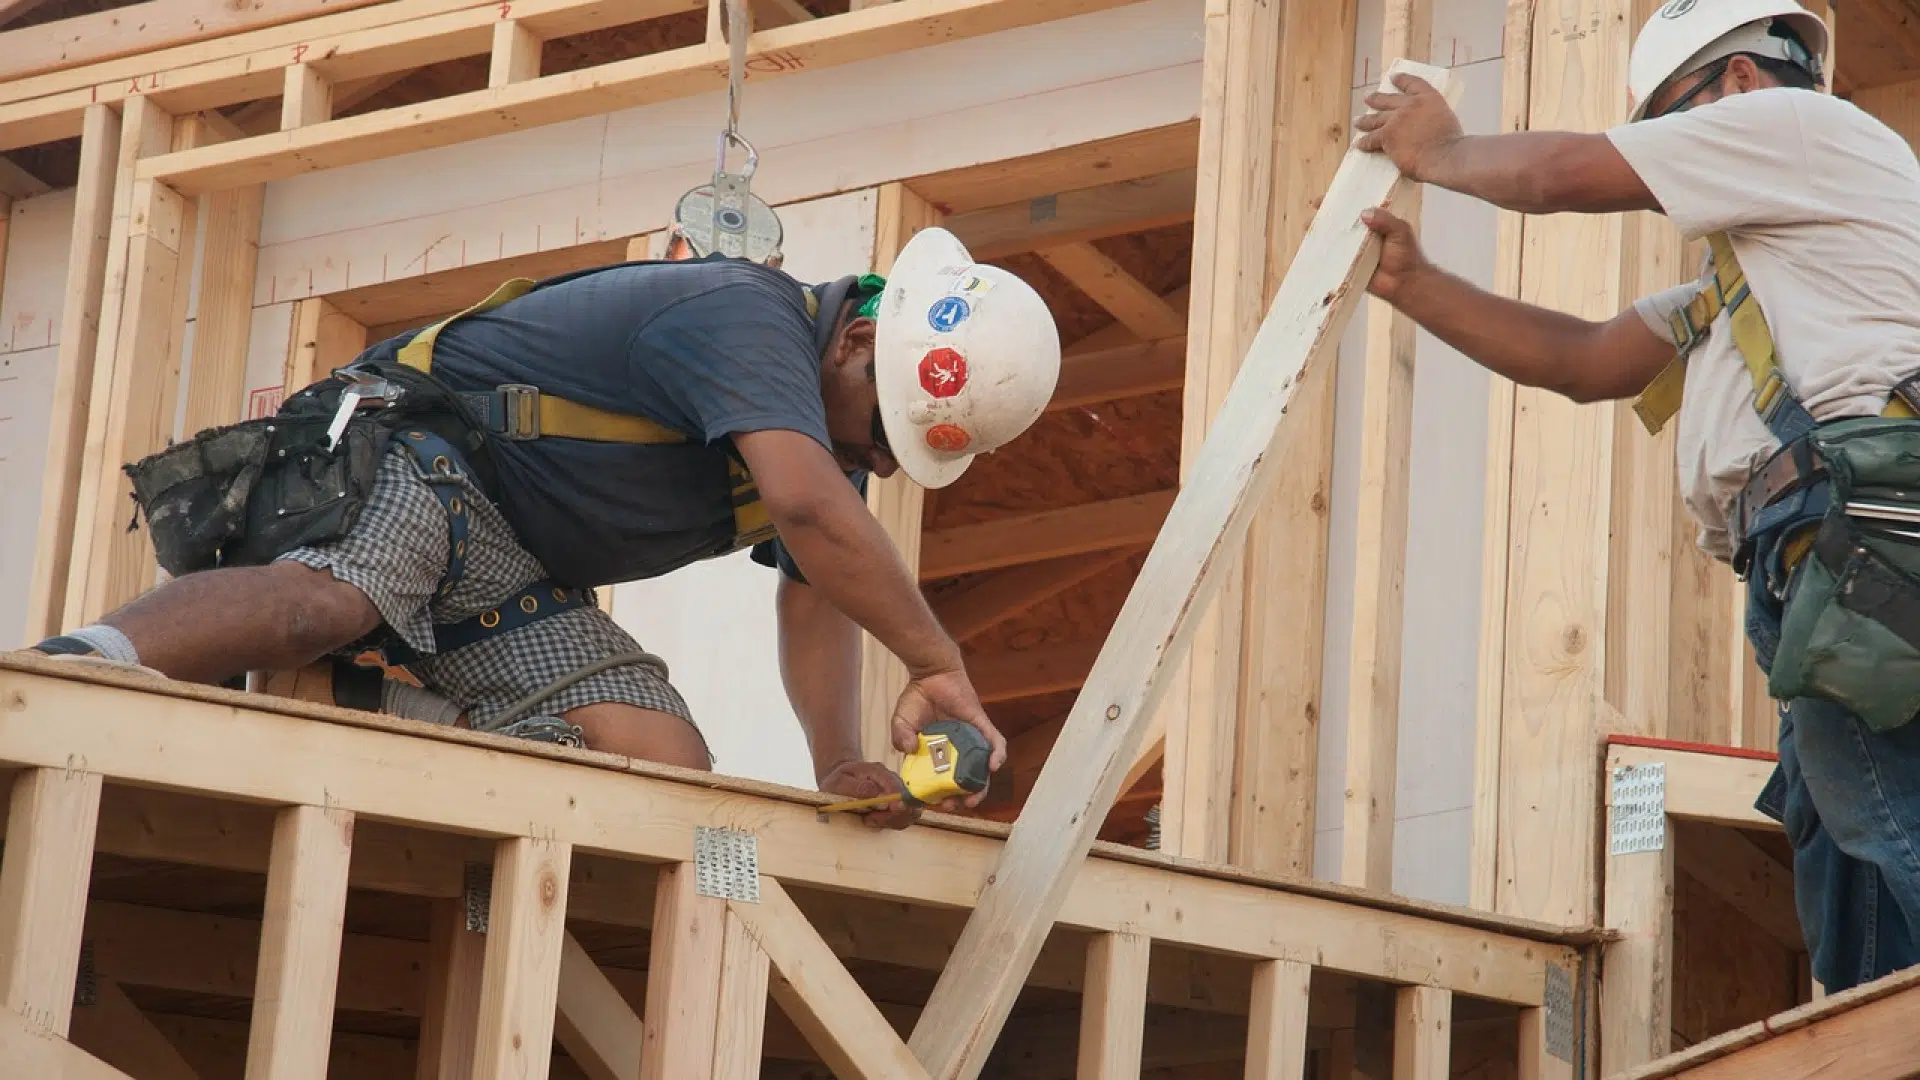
x=1830 y=525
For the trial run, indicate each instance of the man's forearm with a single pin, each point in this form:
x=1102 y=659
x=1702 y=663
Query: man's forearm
x=1530 y=345
x=1539 y=172
x=820 y=667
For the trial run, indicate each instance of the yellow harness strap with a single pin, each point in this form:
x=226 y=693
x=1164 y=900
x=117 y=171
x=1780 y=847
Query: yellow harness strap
x=1660 y=402
x=558 y=417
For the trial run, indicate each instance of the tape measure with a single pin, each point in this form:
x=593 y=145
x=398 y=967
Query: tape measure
x=950 y=760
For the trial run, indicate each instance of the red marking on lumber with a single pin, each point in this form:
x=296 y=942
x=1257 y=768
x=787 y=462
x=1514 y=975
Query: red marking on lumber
x=1691 y=747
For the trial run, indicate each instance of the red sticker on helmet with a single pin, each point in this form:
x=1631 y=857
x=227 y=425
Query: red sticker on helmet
x=947 y=438
x=943 y=373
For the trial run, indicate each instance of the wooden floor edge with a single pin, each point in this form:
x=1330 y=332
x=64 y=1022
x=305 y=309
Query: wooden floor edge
x=37 y=665
x=1761 y=1031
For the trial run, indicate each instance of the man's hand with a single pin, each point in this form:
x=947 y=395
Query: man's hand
x=856 y=779
x=1401 y=260
x=945 y=695
x=1415 y=127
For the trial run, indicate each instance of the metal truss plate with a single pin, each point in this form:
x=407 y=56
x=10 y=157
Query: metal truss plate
x=86 y=987
x=726 y=864
x=1639 y=808
x=1558 y=1001
x=478 y=895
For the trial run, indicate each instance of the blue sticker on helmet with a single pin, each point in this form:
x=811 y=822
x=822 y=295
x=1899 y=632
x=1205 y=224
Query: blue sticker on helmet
x=947 y=313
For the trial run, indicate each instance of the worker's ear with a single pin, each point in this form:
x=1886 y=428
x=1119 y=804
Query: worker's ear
x=1745 y=75
x=855 y=342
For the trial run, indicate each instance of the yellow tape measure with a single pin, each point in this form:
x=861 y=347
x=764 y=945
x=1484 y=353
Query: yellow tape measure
x=950 y=760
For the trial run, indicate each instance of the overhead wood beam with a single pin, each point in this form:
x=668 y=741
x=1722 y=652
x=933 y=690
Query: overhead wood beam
x=1380 y=557
x=13 y=10
x=1024 y=673
x=115 y=1030
x=988 y=601
x=18 y=183
x=1050 y=534
x=593 y=91
x=1717 y=785
x=1106 y=283
x=1137 y=155
x=27 y=1049
x=1024 y=894
x=1093 y=376
x=1077 y=216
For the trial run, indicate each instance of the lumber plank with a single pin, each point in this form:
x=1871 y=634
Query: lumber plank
x=1277 y=1020
x=1422 y=1033
x=1380 y=531
x=1022 y=673
x=1104 y=731
x=817 y=993
x=1109 y=285
x=81 y=315
x=1050 y=534
x=156 y=24
x=1709 y=787
x=114 y=1030
x=993 y=598
x=292 y=1027
x=1277 y=760
x=1636 y=995
x=1080 y=216
x=1537 y=1060
x=516 y=53
x=593 y=1022
x=683 y=977
x=742 y=1025
x=1130 y=370
x=223 y=322
x=1134 y=156
x=1113 y=1009
x=322 y=338
x=52 y=816
x=450 y=1017
x=27 y=1049
x=1200 y=713
x=591 y=91
x=306 y=97
x=1751 y=881
x=520 y=984
x=18 y=183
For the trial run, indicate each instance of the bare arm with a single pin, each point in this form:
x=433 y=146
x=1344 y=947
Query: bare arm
x=1533 y=346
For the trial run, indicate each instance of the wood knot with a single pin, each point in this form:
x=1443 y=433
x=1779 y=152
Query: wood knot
x=549 y=889
x=1575 y=639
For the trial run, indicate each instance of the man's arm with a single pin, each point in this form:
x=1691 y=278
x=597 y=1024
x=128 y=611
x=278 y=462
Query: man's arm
x=846 y=555
x=1533 y=346
x=820 y=667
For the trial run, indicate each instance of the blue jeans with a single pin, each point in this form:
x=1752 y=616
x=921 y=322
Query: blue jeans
x=1849 y=798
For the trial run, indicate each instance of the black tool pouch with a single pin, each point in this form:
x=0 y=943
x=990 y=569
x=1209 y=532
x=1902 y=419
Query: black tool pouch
x=1850 y=632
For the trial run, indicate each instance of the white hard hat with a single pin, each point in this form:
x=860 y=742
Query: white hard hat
x=966 y=357
x=1687 y=35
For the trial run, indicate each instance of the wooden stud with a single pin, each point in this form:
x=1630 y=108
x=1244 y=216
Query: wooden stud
x=516 y=53
x=1422 y=1033
x=1129 y=522
x=896 y=501
x=27 y=1049
x=683 y=977
x=816 y=992
x=992 y=599
x=48 y=859
x=1537 y=1061
x=594 y=1023
x=1096 y=376
x=450 y=1020
x=223 y=322
x=1380 y=559
x=322 y=339
x=117 y=1032
x=1113 y=1008
x=300 y=935
x=1106 y=283
x=1277 y=1020
x=307 y=98
x=1636 y=998
x=520 y=986
x=742 y=1022
x=1277 y=760
x=1110 y=717
x=77 y=42
x=1200 y=713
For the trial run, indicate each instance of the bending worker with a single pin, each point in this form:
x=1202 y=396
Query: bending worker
x=606 y=426
x=1789 y=365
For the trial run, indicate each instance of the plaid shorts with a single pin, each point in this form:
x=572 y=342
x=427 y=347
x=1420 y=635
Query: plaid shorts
x=396 y=554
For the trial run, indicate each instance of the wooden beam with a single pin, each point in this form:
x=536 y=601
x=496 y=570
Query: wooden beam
x=1024 y=673
x=18 y=183
x=322 y=338
x=223 y=322
x=114 y=1030
x=1277 y=1020
x=741 y=1025
x=593 y=91
x=1134 y=156
x=1277 y=761
x=1200 y=715
x=593 y=1022
x=1095 y=376
x=1380 y=558
x=11 y=10
x=1705 y=785
x=683 y=979
x=27 y=1049
x=988 y=601
x=1113 y=1011
x=450 y=1020
x=434 y=778
x=1636 y=998
x=520 y=985
x=51 y=820
x=1751 y=881
x=81 y=315
x=1050 y=534
x=1104 y=731
x=516 y=53
x=300 y=944
x=1077 y=217
x=1422 y=1033
x=306 y=97
x=895 y=501
x=816 y=992
x=1108 y=284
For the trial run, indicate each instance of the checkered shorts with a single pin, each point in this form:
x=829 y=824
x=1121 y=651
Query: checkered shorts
x=396 y=554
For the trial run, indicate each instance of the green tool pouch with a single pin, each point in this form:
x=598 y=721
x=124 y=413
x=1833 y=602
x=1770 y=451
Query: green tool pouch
x=243 y=494
x=1850 y=632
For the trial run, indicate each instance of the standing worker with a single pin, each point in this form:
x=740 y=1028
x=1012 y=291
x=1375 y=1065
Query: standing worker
x=454 y=496
x=1790 y=366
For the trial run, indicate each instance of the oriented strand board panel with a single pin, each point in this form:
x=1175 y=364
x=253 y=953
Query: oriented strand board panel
x=1434 y=796
x=822 y=132
x=713 y=622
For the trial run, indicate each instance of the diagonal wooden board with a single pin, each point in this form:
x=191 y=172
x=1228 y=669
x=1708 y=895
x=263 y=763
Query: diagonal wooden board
x=1103 y=733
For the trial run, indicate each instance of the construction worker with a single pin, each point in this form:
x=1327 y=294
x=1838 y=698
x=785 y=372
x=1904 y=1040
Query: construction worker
x=602 y=427
x=1792 y=386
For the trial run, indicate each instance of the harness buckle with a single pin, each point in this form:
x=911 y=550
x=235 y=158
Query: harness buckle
x=520 y=406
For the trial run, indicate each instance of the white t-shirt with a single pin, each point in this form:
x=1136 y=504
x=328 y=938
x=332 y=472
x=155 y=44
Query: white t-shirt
x=1822 y=204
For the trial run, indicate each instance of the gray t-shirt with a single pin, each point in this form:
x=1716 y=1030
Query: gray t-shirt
x=710 y=349
x=1822 y=204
